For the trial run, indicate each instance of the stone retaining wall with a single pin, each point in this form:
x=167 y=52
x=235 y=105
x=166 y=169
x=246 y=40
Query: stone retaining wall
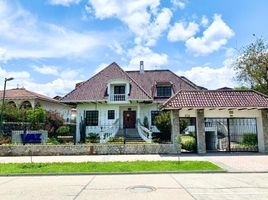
x=92 y=149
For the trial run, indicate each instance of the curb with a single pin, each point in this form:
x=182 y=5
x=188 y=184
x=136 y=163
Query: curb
x=116 y=173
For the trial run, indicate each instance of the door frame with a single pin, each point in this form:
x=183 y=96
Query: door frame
x=125 y=112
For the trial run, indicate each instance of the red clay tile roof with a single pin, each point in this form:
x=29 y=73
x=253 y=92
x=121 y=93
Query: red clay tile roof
x=22 y=93
x=96 y=87
x=217 y=98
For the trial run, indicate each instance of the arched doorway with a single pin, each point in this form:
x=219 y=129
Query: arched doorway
x=12 y=103
x=26 y=105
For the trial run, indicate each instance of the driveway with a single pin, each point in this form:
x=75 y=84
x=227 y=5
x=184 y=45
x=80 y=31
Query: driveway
x=232 y=162
x=235 y=186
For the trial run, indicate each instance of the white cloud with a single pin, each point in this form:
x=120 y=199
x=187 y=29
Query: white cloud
x=214 y=37
x=101 y=67
x=143 y=18
x=179 y=3
x=48 y=70
x=204 y=21
x=181 y=32
x=2 y=54
x=214 y=77
x=23 y=36
x=151 y=59
x=63 y=83
x=116 y=46
x=64 y=2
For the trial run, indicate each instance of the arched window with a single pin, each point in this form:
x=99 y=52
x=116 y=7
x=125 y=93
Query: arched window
x=12 y=103
x=26 y=105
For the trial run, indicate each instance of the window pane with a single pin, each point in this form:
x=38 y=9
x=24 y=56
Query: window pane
x=154 y=114
x=163 y=91
x=119 y=89
x=111 y=114
x=92 y=118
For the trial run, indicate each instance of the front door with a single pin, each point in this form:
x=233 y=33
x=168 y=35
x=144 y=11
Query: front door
x=129 y=119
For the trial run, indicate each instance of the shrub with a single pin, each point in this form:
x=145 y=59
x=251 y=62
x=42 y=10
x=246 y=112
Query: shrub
x=121 y=139
x=250 y=139
x=163 y=124
x=36 y=117
x=53 y=141
x=111 y=139
x=146 y=122
x=93 y=138
x=188 y=143
x=183 y=125
x=53 y=122
x=63 y=130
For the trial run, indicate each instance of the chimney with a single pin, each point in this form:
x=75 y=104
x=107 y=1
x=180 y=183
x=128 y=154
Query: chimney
x=141 y=67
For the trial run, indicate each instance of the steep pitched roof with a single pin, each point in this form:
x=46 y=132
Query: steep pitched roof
x=22 y=93
x=150 y=78
x=217 y=99
x=96 y=87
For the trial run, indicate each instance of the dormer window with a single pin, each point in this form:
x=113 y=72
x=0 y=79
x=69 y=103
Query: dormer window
x=119 y=89
x=163 y=91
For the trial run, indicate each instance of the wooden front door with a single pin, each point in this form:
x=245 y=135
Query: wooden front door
x=129 y=119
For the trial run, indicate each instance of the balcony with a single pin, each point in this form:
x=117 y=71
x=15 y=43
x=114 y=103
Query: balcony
x=118 y=97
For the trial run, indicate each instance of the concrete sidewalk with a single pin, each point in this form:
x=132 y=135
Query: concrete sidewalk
x=132 y=187
x=232 y=162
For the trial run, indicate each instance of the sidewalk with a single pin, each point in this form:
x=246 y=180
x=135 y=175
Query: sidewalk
x=235 y=162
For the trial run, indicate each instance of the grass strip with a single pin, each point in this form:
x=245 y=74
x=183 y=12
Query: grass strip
x=95 y=167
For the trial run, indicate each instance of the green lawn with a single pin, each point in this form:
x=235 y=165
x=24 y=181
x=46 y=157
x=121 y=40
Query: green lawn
x=87 y=167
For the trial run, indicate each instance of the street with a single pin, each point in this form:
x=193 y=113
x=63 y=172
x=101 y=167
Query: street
x=211 y=186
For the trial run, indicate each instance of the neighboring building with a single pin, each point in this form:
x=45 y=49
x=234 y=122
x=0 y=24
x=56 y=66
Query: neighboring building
x=114 y=99
x=22 y=98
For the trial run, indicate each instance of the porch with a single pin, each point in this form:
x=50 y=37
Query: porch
x=221 y=129
x=113 y=121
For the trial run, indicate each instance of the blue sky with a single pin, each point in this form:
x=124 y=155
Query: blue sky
x=49 y=45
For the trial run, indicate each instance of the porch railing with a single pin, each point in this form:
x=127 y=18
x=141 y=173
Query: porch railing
x=118 y=97
x=144 y=132
x=109 y=131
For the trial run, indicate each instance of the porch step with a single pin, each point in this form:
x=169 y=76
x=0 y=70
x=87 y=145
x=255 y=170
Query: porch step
x=132 y=135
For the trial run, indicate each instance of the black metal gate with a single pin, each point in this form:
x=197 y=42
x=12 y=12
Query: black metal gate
x=231 y=134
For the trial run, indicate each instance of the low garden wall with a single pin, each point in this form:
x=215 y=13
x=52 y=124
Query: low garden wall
x=91 y=149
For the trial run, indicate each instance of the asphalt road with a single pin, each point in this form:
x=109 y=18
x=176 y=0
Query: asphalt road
x=158 y=186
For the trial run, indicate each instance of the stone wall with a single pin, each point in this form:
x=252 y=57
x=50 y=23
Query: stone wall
x=92 y=149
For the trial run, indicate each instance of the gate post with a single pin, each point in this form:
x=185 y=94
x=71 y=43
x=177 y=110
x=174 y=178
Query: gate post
x=175 y=129
x=262 y=130
x=200 y=133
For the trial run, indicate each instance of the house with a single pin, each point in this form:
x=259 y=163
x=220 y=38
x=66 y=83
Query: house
x=22 y=98
x=115 y=100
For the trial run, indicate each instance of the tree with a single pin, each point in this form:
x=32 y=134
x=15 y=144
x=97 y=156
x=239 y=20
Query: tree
x=146 y=122
x=252 y=66
x=53 y=122
x=36 y=117
x=163 y=124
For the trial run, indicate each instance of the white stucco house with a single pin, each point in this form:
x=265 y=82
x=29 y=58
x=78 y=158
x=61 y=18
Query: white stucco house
x=114 y=99
x=23 y=98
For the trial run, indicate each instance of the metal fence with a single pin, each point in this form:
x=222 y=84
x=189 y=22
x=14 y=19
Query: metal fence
x=231 y=134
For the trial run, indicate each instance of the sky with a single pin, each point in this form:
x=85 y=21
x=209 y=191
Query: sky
x=49 y=45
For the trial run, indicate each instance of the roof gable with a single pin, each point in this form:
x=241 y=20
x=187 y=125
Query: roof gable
x=95 y=88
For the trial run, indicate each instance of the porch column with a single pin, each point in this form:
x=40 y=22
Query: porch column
x=200 y=133
x=262 y=129
x=175 y=129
